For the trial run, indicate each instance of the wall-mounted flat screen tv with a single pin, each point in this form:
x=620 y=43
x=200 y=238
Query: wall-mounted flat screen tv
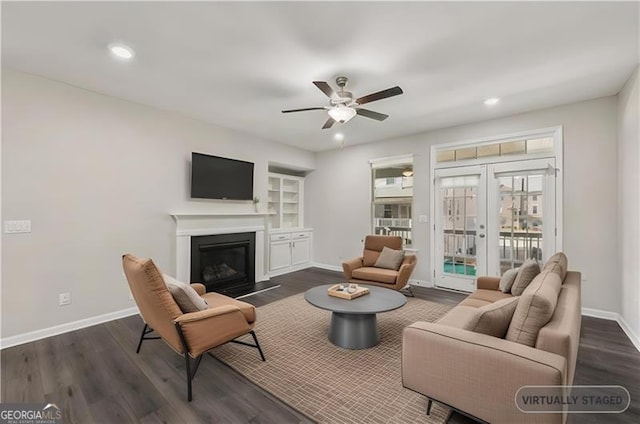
x=213 y=177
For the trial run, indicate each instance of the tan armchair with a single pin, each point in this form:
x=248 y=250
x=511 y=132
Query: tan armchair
x=360 y=270
x=189 y=334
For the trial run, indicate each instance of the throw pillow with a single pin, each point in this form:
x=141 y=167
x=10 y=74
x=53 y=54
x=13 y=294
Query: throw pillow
x=507 y=279
x=390 y=259
x=494 y=319
x=526 y=274
x=184 y=295
x=535 y=309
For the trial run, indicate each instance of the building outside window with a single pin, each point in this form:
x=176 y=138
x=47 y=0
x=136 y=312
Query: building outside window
x=392 y=187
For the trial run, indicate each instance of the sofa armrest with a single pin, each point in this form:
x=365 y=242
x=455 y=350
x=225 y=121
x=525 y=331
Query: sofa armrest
x=199 y=288
x=349 y=266
x=488 y=283
x=212 y=327
x=476 y=373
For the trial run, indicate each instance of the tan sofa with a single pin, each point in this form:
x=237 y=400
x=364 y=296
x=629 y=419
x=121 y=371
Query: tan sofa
x=479 y=374
x=361 y=270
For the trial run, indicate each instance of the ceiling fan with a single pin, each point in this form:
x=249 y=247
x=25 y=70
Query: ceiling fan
x=342 y=105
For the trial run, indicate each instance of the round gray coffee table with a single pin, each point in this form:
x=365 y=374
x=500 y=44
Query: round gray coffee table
x=353 y=322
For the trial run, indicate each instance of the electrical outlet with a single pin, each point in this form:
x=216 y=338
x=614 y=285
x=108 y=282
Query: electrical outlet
x=64 y=299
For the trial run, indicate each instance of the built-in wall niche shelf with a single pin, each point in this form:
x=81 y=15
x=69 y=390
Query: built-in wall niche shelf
x=286 y=194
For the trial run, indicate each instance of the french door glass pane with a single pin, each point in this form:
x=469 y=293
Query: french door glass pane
x=521 y=219
x=459 y=228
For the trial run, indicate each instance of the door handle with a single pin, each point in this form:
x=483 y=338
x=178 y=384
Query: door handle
x=481 y=235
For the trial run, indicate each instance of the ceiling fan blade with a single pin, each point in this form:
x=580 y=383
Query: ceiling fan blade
x=389 y=92
x=329 y=123
x=302 y=110
x=325 y=88
x=371 y=114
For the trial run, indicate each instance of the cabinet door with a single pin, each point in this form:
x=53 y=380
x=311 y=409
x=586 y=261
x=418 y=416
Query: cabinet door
x=279 y=255
x=300 y=251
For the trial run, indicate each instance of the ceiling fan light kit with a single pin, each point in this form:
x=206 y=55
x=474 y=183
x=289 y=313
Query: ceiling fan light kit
x=342 y=113
x=342 y=106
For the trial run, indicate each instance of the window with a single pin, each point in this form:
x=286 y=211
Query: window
x=392 y=197
x=535 y=210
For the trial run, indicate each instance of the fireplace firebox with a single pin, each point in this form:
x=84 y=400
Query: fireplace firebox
x=224 y=263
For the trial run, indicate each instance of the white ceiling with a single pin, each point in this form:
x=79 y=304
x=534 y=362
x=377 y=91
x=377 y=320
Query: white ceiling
x=239 y=64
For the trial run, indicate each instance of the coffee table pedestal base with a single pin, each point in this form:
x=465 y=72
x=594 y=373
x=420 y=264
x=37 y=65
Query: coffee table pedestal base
x=354 y=331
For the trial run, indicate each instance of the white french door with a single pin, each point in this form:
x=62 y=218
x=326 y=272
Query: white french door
x=492 y=217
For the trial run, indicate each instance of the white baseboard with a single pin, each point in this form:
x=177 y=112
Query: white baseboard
x=325 y=266
x=64 y=328
x=289 y=270
x=614 y=316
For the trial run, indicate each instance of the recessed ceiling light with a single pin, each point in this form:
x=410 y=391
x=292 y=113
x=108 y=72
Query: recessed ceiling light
x=491 y=101
x=121 y=51
x=338 y=136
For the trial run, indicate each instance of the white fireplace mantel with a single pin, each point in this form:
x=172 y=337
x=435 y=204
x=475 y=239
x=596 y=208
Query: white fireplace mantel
x=189 y=224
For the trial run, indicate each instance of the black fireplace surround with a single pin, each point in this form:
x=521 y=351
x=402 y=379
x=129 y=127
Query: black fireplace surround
x=224 y=263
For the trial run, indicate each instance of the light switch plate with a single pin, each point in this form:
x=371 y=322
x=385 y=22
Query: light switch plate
x=423 y=219
x=11 y=227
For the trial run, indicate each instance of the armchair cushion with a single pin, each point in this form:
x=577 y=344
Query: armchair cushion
x=390 y=259
x=185 y=296
x=376 y=274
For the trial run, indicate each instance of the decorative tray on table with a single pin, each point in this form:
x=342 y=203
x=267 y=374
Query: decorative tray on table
x=346 y=291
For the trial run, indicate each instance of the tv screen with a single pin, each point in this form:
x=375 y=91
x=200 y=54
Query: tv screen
x=213 y=177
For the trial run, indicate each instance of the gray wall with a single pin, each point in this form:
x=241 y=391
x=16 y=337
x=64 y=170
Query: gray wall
x=98 y=177
x=338 y=200
x=629 y=192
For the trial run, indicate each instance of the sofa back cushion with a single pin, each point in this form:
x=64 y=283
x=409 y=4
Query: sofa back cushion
x=559 y=263
x=373 y=245
x=535 y=308
x=525 y=276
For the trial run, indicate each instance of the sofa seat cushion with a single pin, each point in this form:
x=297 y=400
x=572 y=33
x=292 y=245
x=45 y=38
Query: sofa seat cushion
x=489 y=295
x=474 y=303
x=535 y=308
x=375 y=274
x=492 y=319
x=217 y=299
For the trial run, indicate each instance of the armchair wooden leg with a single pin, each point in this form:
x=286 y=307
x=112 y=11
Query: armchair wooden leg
x=429 y=404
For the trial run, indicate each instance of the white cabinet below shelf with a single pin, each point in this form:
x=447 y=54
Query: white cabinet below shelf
x=289 y=251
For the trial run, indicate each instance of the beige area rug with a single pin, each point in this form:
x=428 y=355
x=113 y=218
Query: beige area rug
x=326 y=382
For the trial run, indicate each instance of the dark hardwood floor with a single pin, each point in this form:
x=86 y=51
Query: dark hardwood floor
x=95 y=376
